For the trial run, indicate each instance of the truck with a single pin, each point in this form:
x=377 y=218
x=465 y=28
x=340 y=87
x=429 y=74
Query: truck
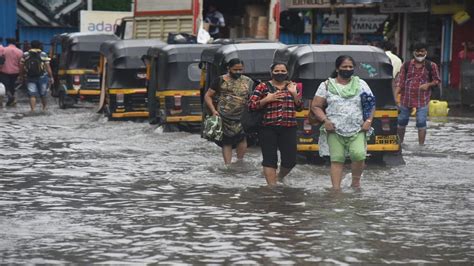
x=244 y=19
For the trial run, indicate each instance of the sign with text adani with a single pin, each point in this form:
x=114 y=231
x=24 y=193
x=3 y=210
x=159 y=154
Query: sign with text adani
x=101 y=21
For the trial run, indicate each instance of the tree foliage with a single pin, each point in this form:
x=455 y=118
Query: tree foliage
x=111 y=5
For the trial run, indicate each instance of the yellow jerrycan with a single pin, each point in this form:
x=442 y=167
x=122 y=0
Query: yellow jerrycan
x=438 y=108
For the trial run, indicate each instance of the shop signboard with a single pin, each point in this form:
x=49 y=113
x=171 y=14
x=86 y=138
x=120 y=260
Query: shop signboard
x=403 y=6
x=329 y=3
x=101 y=21
x=333 y=23
x=367 y=23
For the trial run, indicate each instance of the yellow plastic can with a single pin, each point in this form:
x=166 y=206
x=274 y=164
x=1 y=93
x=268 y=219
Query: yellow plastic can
x=438 y=108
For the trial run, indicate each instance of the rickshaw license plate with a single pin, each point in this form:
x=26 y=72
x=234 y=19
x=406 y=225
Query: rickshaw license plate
x=306 y=140
x=390 y=139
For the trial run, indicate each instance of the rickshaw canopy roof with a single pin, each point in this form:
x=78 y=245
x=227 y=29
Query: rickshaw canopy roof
x=177 y=65
x=86 y=42
x=127 y=54
x=257 y=57
x=318 y=61
x=175 y=53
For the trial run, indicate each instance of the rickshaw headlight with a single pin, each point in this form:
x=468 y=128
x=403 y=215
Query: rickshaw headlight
x=177 y=101
x=77 y=80
x=307 y=126
x=385 y=123
x=120 y=98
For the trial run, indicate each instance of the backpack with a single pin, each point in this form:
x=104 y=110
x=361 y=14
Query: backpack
x=34 y=66
x=435 y=90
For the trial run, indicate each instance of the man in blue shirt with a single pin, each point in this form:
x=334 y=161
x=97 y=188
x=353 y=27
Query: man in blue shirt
x=215 y=20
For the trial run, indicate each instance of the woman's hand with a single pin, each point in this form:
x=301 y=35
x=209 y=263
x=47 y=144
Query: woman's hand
x=292 y=88
x=366 y=125
x=329 y=126
x=273 y=97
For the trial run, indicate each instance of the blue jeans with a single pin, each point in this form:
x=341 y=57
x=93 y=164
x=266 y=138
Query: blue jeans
x=421 y=116
x=37 y=87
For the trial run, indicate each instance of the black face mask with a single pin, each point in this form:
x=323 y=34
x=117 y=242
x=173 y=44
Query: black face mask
x=346 y=74
x=280 y=77
x=235 y=75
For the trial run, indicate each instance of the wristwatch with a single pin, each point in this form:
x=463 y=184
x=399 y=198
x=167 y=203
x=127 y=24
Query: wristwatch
x=368 y=120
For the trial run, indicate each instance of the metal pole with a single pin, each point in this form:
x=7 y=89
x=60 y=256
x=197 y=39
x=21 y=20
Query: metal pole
x=89 y=5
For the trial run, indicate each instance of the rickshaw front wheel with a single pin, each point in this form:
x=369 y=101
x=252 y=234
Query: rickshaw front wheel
x=62 y=100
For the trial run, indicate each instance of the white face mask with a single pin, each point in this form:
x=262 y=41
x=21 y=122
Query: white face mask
x=419 y=58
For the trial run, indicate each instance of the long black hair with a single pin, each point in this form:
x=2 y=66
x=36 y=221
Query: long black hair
x=339 y=61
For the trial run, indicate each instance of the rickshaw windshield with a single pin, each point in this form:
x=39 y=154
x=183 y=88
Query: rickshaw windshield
x=79 y=59
x=127 y=78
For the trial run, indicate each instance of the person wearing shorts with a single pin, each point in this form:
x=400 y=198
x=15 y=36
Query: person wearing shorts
x=345 y=129
x=37 y=85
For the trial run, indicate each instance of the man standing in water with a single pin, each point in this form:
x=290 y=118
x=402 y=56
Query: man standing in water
x=415 y=80
x=10 y=69
x=36 y=72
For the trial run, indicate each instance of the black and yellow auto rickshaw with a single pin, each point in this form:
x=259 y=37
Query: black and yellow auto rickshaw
x=257 y=58
x=78 y=66
x=123 y=78
x=312 y=64
x=174 y=84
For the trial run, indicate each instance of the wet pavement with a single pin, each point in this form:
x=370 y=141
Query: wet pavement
x=77 y=188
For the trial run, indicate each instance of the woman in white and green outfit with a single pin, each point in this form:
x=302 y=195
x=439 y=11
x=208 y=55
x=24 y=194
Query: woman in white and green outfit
x=344 y=130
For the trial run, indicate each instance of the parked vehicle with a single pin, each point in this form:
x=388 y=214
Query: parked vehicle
x=76 y=66
x=312 y=64
x=174 y=84
x=123 y=75
x=257 y=58
x=157 y=19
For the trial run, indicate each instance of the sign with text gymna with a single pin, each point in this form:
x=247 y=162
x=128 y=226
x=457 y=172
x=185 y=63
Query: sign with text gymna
x=101 y=21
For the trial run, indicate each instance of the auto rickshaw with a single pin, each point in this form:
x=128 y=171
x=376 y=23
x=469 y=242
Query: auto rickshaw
x=173 y=88
x=257 y=58
x=312 y=64
x=123 y=76
x=77 y=72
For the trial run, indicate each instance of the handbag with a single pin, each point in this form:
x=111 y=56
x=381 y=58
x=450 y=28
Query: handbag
x=213 y=128
x=368 y=104
x=312 y=118
x=252 y=120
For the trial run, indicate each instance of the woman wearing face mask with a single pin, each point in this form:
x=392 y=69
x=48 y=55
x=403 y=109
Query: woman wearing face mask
x=230 y=92
x=344 y=129
x=280 y=100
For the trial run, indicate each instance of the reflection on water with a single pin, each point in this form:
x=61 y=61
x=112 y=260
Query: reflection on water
x=76 y=188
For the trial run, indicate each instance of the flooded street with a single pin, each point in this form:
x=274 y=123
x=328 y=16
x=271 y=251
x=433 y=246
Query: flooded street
x=77 y=188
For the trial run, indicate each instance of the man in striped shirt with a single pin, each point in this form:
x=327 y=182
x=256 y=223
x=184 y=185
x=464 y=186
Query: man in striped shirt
x=415 y=81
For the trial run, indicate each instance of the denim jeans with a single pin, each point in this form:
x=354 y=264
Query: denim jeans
x=37 y=86
x=421 y=116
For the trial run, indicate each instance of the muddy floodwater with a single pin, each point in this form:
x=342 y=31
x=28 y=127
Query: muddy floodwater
x=75 y=188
